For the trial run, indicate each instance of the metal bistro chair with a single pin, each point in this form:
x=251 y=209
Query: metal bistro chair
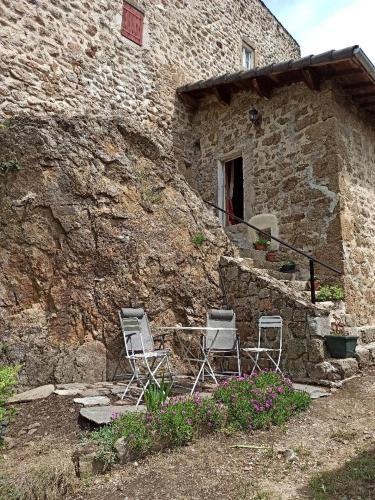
x=272 y=354
x=223 y=344
x=139 y=350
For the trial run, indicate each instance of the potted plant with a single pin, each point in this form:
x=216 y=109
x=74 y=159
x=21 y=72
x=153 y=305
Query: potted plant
x=330 y=293
x=288 y=266
x=261 y=244
x=272 y=256
x=340 y=345
x=317 y=283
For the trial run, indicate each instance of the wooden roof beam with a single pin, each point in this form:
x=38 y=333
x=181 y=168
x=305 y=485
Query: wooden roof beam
x=358 y=86
x=223 y=94
x=311 y=78
x=263 y=86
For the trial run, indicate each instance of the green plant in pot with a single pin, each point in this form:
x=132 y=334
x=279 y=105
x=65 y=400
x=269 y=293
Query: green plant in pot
x=289 y=266
x=338 y=343
x=261 y=244
x=317 y=283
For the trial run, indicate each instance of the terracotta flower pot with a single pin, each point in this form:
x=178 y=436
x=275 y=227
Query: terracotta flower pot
x=317 y=285
x=272 y=257
x=260 y=246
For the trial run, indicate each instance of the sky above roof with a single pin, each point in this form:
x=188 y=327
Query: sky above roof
x=321 y=25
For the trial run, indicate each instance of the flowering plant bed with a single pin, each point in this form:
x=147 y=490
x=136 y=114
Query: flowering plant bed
x=241 y=403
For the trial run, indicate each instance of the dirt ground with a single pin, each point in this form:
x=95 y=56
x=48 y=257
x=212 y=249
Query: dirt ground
x=334 y=431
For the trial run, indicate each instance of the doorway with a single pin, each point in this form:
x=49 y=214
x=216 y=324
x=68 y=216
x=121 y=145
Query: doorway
x=233 y=190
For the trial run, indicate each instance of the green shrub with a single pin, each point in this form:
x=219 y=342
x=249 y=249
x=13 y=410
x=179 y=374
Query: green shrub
x=263 y=241
x=198 y=239
x=330 y=292
x=8 y=380
x=241 y=403
x=256 y=402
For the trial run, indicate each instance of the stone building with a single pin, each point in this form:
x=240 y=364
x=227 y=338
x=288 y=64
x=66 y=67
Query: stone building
x=122 y=121
x=305 y=168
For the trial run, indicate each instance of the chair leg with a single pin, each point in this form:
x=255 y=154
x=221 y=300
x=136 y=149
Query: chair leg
x=118 y=364
x=128 y=386
x=238 y=360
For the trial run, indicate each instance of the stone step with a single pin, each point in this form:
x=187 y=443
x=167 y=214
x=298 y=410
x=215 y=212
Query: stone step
x=365 y=355
x=366 y=334
x=296 y=284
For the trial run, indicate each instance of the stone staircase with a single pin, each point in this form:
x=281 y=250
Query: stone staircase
x=330 y=369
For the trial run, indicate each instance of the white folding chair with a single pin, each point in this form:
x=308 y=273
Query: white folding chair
x=139 y=350
x=273 y=354
x=222 y=344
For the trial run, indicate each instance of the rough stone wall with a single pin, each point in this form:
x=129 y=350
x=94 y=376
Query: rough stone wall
x=357 y=187
x=252 y=293
x=291 y=163
x=96 y=219
x=70 y=57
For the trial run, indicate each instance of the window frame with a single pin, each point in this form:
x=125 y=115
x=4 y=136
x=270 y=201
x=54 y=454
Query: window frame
x=247 y=49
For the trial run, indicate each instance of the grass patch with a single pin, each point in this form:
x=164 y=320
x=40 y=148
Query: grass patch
x=241 y=403
x=341 y=435
x=198 y=239
x=50 y=477
x=11 y=165
x=355 y=480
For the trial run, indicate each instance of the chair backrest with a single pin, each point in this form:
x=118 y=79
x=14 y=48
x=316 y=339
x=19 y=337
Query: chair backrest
x=223 y=339
x=266 y=323
x=135 y=321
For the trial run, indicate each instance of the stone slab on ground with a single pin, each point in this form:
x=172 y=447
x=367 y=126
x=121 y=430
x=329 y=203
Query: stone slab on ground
x=99 y=391
x=314 y=390
x=68 y=392
x=33 y=394
x=105 y=414
x=72 y=386
x=93 y=401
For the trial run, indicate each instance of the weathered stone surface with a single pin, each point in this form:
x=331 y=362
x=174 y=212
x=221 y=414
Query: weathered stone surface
x=33 y=394
x=85 y=243
x=93 y=401
x=363 y=356
x=104 y=414
x=346 y=367
x=323 y=371
x=86 y=461
x=123 y=453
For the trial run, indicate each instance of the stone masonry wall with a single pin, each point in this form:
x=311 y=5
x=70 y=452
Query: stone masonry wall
x=253 y=293
x=70 y=57
x=290 y=162
x=357 y=187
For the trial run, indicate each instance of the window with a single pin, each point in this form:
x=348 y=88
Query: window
x=132 y=23
x=247 y=57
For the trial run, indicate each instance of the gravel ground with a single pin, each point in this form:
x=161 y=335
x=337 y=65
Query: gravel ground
x=278 y=465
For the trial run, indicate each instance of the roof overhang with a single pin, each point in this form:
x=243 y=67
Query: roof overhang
x=350 y=68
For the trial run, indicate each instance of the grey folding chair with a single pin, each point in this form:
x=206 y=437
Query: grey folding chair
x=272 y=354
x=139 y=350
x=222 y=344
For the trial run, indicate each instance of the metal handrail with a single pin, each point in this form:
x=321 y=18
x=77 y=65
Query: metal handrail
x=285 y=244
